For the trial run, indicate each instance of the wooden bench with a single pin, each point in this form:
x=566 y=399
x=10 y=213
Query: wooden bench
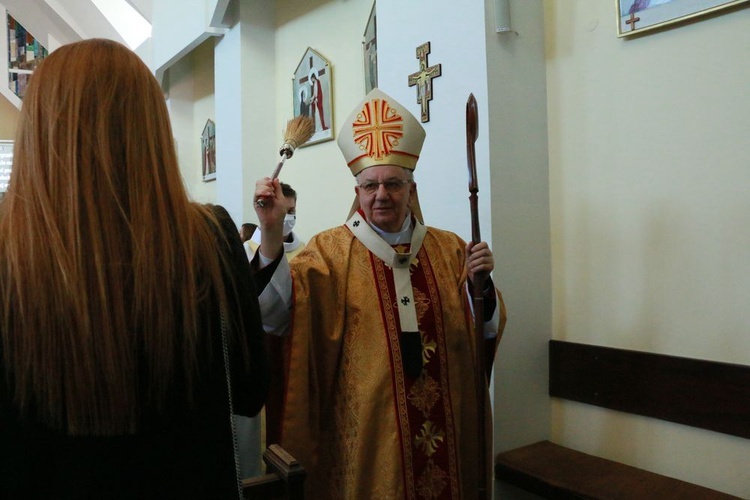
x=699 y=393
x=285 y=480
x=553 y=471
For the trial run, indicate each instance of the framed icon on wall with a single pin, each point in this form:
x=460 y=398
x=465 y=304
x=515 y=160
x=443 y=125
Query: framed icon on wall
x=208 y=151
x=312 y=94
x=370 y=51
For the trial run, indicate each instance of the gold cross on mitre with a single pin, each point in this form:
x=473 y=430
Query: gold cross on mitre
x=423 y=80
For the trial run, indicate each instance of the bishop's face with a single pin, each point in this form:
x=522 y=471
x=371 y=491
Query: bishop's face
x=384 y=193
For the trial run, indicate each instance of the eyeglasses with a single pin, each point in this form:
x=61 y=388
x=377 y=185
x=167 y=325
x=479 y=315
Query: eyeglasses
x=391 y=185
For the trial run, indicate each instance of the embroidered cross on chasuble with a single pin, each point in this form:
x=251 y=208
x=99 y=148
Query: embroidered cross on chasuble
x=409 y=299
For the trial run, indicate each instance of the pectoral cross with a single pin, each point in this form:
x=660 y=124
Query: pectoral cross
x=423 y=80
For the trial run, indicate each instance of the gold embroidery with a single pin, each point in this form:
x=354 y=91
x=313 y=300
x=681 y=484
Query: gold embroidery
x=440 y=326
x=392 y=331
x=344 y=270
x=404 y=249
x=421 y=303
x=432 y=481
x=429 y=438
x=424 y=394
x=378 y=128
x=400 y=248
x=428 y=348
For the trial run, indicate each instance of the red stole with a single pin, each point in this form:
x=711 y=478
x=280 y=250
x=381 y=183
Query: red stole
x=424 y=413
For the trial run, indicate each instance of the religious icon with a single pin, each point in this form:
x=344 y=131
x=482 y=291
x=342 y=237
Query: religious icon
x=6 y=165
x=25 y=53
x=422 y=79
x=312 y=94
x=208 y=151
x=637 y=16
x=370 y=52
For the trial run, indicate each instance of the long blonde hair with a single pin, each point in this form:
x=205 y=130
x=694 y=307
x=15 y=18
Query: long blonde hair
x=103 y=259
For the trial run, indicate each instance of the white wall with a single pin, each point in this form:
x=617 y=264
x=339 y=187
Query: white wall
x=190 y=84
x=520 y=222
x=178 y=26
x=246 y=111
x=318 y=173
x=458 y=44
x=650 y=216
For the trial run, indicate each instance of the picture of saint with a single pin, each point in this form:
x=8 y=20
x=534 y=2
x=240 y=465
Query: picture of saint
x=311 y=94
x=304 y=103
x=208 y=151
x=316 y=101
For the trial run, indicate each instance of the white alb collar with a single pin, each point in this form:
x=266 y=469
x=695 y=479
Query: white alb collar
x=402 y=236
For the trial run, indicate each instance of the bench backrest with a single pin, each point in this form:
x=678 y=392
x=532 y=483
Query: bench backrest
x=707 y=394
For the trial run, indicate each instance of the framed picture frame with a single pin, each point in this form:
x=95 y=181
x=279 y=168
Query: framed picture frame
x=312 y=94
x=208 y=151
x=25 y=53
x=370 y=51
x=6 y=165
x=638 y=16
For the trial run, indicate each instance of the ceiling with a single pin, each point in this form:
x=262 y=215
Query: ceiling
x=57 y=22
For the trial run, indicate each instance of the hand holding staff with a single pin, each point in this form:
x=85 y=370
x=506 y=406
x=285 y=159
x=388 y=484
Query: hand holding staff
x=472 y=133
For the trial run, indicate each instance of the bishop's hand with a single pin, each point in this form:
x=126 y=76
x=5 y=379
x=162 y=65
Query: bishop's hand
x=479 y=260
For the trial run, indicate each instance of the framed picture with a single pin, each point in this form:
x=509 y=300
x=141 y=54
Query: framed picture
x=25 y=53
x=311 y=89
x=6 y=165
x=637 y=16
x=208 y=151
x=370 y=51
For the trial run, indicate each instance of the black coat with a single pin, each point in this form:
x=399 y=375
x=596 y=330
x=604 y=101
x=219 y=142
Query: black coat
x=186 y=452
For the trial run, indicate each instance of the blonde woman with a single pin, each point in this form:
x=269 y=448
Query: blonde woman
x=112 y=366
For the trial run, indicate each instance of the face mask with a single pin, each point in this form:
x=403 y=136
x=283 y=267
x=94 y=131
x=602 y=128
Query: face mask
x=289 y=221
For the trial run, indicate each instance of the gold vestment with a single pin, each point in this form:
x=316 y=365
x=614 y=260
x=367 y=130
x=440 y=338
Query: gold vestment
x=360 y=426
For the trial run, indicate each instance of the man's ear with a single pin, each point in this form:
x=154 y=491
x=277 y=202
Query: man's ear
x=412 y=193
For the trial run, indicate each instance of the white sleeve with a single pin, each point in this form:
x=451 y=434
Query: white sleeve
x=276 y=300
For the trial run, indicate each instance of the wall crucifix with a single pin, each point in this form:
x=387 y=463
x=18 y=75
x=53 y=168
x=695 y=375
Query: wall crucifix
x=423 y=80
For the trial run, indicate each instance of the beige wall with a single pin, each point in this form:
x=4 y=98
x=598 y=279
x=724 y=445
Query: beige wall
x=8 y=119
x=324 y=185
x=650 y=216
x=191 y=103
x=318 y=172
x=520 y=222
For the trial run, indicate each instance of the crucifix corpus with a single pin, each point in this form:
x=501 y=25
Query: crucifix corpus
x=423 y=80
